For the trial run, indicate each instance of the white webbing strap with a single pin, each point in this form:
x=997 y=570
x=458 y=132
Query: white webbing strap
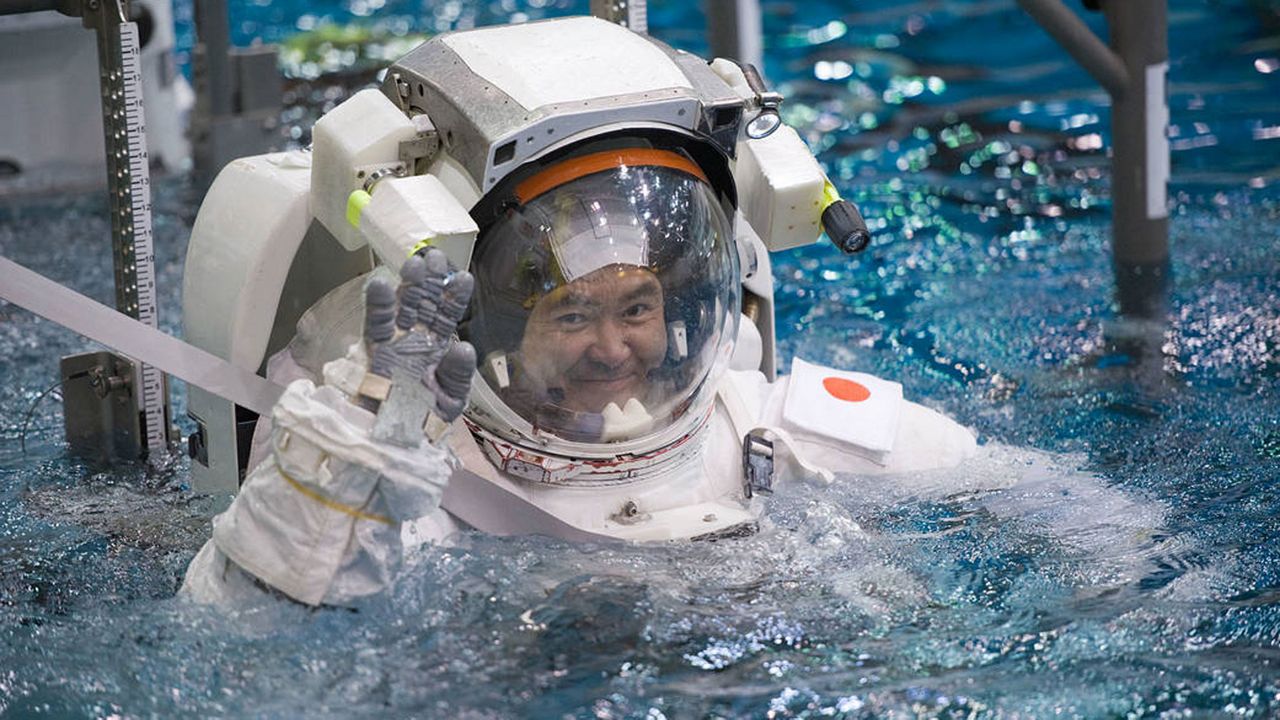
x=137 y=340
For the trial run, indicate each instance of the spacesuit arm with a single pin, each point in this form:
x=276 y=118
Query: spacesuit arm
x=408 y=378
x=319 y=519
x=818 y=431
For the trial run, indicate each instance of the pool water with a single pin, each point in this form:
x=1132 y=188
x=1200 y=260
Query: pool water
x=1114 y=552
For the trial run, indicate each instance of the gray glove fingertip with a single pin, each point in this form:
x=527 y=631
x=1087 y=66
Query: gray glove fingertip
x=454 y=371
x=380 y=310
x=435 y=262
x=460 y=286
x=413 y=270
x=379 y=289
x=449 y=408
x=453 y=304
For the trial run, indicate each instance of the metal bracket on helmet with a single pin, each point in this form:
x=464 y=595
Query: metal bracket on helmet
x=417 y=154
x=767 y=119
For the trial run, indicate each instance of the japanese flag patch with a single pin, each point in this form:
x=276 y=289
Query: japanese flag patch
x=850 y=407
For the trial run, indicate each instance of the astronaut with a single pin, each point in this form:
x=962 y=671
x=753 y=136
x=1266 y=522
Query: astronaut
x=597 y=241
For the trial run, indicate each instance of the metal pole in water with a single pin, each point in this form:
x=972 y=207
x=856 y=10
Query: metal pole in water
x=129 y=185
x=1133 y=71
x=1140 y=166
x=213 y=30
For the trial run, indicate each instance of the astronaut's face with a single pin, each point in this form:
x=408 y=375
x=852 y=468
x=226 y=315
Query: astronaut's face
x=596 y=339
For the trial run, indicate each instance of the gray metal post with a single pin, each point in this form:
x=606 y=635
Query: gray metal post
x=735 y=31
x=238 y=93
x=1133 y=72
x=213 y=32
x=1140 y=165
x=632 y=14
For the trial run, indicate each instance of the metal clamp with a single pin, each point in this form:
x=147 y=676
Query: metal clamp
x=101 y=416
x=372 y=178
x=104 y=383
x=417 y=153
x=757 y=465
x=768 y=119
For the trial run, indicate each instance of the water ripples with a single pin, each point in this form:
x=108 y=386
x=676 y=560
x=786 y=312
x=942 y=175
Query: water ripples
x=1125 y=566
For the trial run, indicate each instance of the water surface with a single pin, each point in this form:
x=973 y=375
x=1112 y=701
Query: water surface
x=1114 y=552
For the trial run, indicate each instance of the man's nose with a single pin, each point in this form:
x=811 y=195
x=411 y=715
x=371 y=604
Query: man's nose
x=610 y=346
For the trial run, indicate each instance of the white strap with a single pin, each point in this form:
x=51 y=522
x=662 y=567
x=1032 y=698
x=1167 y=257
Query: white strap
x=135 y=339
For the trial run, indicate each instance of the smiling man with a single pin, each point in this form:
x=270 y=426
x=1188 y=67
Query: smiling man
x=596 y=340
x=603 y=293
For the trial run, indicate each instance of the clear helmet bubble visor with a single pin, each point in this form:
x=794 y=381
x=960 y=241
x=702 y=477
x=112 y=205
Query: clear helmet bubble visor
x=606 y=296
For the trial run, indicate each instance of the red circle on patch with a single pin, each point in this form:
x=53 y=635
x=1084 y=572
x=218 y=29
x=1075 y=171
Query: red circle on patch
x=847 y=390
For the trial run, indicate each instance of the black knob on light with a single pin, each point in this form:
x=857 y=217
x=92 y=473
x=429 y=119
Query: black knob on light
x=845 y=226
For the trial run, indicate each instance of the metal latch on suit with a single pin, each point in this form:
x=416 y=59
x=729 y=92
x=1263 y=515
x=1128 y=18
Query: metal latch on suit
x=757 y=465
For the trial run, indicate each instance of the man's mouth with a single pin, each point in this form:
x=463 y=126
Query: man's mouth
x=611 y=381
x=601 y=389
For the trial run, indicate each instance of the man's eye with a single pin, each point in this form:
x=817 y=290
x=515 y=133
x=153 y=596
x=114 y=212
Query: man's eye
x=571 y=320
x=638 y=310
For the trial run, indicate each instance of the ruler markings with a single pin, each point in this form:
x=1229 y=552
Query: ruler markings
x=131 y=119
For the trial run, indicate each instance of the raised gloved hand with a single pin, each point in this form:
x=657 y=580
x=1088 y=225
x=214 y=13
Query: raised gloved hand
x=419 y=376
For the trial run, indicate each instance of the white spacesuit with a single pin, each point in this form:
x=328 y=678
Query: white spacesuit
x=615 y=202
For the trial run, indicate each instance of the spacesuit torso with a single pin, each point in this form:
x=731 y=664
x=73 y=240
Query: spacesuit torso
x=899 y=436
x=333 y=537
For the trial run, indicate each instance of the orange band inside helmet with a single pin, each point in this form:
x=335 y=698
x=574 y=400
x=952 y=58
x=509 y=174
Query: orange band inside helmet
x=574 y=168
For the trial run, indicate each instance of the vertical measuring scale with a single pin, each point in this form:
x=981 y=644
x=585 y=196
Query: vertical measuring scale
x=129 y=185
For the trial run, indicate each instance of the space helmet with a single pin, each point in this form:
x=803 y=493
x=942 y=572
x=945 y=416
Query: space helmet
x=607 y=299
x=608 y=288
